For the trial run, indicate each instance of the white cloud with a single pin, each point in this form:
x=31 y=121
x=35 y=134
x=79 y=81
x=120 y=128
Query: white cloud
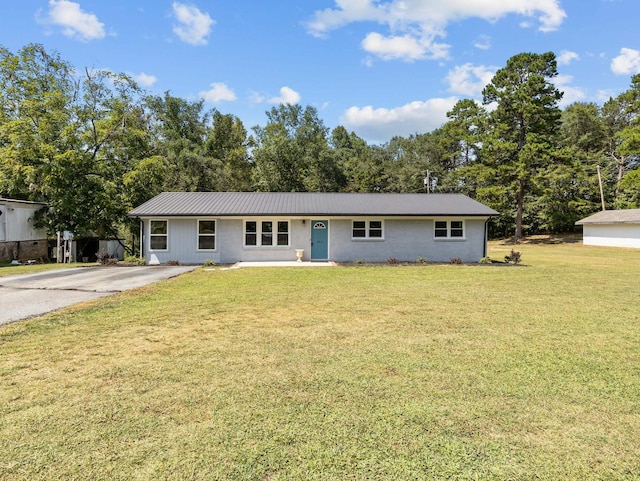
x=145 y=80
x=566 y=57
x=414 y=25
x=605 y=94
x=193 y=25
x=218 y=92
x=571 y=94
x=483 y=42
x=287 y=96
x=348 y=11
x=257 y=98
x=405 y=47
x=628 y=62
x=368 y=62
x=469 y=79
x=74 y=22
x=380 y=125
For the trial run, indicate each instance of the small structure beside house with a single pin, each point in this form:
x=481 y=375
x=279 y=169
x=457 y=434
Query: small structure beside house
x=614 y=228
x=20 y=240
x=87 y=249
x=227 y=227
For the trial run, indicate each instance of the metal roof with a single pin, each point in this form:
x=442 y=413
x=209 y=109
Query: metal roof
x=624 y=216
x=19 y=201
x=306 y=203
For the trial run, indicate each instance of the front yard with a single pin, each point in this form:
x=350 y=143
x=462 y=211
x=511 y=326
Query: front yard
x=409 y=372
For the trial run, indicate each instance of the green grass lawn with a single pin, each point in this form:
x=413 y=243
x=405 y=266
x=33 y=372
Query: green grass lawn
x=449 y=372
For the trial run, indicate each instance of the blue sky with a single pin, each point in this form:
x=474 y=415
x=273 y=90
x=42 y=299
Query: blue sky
x=380 y=68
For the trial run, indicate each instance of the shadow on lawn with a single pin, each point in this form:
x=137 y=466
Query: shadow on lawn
x=546 y=239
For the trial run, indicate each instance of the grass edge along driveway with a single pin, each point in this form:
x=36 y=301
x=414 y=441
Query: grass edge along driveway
x=419 y=372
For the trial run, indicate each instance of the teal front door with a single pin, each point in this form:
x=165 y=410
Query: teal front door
x=319 y=240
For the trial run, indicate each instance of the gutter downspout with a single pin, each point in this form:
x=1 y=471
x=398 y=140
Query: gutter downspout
x=486 y=237
x=141 y=254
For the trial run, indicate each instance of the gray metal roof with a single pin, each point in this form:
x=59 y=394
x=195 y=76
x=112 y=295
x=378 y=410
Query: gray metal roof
x=305 y=203
x=624 y=216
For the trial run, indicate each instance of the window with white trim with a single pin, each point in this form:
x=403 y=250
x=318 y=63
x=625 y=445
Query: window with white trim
x=266 y=233
x=366 y=229
x=448 y=229
x=206 y=235
x=158 y=235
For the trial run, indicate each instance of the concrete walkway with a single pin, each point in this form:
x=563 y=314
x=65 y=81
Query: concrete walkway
x=28 y=295
x=239 y=265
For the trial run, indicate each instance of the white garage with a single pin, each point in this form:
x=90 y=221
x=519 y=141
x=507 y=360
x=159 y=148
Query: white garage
x=614 y=228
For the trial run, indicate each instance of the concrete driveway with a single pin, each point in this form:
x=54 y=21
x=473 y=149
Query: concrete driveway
x=30 y=295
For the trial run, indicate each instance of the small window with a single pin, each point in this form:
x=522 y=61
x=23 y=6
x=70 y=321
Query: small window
x=456 y=228
x=251 y=233
x=375 y=228
x=206 y=235
x=444 y=229
x=359 y=229
x=158 y=235
x=366 y=229
x=441 y=229
x=267 y=233
x=283 y=233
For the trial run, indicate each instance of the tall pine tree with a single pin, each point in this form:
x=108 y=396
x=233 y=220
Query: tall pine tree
x=522 y=125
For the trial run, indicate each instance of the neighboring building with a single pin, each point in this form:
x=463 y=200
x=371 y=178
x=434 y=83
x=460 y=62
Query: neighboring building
x=227 y=227
x=615 y=228
x=19 y=238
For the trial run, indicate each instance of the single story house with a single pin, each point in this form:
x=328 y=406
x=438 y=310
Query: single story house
x=227 y=227
x=19 y=238
x=615 y=228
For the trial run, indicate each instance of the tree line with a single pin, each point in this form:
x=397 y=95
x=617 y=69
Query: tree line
x=92 y=145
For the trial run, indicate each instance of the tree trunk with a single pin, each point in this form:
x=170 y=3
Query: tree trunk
x=620 y=167
x=519 y=210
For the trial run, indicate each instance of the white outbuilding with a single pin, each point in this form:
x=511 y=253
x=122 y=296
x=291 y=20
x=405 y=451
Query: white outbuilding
x=20 y=239
x=614 y=228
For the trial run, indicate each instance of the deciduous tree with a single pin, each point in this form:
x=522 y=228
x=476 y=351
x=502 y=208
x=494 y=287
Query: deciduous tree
x=292 y=152
x=227 y=143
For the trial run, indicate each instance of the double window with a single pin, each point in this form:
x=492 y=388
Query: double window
x=448 y=229
x=158 y=238
x=366 y=229
x=206 y=235
x=266 y=233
